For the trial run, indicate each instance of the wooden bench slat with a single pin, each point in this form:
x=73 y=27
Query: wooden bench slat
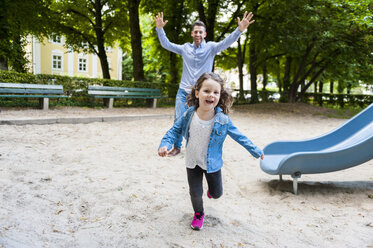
x=109 y=88
x=35 y=96
x=31 y=91
x=31 y=86
x=134 y=97
x=115 y=93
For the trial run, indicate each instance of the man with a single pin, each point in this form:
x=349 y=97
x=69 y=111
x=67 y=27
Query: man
x=198 y=58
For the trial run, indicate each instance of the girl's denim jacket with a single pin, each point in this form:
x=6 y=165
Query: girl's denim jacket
x=222 y=126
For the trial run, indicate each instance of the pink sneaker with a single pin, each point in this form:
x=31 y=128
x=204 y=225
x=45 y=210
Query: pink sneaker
x=208 y=194
x=197 y=222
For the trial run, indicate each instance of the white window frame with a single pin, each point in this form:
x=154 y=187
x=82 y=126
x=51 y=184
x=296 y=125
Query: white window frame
x=60 y=54
x=108 y=49
x=85 y=45
x=53 y=40
x=85 y=57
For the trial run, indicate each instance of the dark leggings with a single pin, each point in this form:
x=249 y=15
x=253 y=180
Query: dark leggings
x=214 y=182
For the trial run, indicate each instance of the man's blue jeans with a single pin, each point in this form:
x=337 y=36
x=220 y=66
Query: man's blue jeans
x=180 y=108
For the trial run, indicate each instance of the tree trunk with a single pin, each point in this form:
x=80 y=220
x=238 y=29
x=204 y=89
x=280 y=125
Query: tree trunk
x=174 y=74
x=138 y=65
x=331 y=86
x=3 y=63
x=302 y=85
x=286 y=82
x=201 y=12
x=293 y=92
x=302 y=66
x=320 y=100
x=253 y=72
x=265 y=77
x=103 y=60
x=240 y=69
x=212 y=10
x=321 y=86
x=340 y=87
x=348 y=89
x=278 y=75
x=210 y=18
x=302 y=96
x=312 y=80
x=101 y=41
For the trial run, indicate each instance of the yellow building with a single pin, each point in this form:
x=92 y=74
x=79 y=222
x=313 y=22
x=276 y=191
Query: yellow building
x=51 y=57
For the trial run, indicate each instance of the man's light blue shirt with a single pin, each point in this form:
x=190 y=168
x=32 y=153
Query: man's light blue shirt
x=196 y=60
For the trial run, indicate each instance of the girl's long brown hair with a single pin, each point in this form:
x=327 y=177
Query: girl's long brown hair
x=226 y=99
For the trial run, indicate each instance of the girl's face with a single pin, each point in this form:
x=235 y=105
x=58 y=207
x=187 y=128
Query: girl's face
x=208 y=95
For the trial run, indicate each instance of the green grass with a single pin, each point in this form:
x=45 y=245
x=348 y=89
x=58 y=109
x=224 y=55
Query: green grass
x=342 y=113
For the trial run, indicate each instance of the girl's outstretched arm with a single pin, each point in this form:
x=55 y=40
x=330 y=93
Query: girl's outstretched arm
x=244 y=141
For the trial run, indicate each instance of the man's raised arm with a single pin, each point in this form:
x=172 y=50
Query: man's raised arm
x=165 y=43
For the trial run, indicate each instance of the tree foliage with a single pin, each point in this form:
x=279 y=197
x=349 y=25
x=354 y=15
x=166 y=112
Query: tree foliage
x=296 y=42
x=89 y=25
x=17 y=20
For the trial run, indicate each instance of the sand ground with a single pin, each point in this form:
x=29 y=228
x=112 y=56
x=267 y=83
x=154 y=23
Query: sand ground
x=103 y=185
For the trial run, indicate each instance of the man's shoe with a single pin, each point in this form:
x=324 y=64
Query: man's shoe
x=197 y=222
x=174 y=152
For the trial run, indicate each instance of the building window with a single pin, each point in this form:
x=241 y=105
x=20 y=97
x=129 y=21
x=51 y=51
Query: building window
x=108 y=49
x=82 y=64
x=56 y=39
x=85 y=45
x=57 y=62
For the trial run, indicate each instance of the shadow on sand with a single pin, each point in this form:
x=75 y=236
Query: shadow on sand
x=322 y=188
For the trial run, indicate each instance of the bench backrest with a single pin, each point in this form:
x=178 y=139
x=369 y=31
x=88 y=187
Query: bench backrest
x=116 y=91
x=15 y=88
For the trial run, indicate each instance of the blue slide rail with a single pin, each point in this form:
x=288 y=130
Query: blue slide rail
x=349 y=145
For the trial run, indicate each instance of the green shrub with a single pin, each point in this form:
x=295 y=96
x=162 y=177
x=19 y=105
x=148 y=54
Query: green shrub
x=76 y=87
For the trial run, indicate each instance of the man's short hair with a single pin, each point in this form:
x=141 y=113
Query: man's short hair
x=198 y=23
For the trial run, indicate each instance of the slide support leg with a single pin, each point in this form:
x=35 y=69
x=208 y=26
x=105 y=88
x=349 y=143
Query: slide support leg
x=295 y=186
x=295 y=177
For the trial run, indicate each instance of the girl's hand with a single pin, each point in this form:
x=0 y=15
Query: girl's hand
x=163 y=151
x=262 y=157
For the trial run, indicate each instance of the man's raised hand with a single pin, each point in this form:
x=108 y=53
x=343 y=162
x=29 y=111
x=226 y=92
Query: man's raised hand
x=245 y=22
x=159 y=20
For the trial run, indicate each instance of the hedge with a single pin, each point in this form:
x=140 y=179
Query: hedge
x=76 y=87
x=340 y=99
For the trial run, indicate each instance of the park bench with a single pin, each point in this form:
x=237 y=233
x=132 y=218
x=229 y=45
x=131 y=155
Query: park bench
x=41 y=91
x=121 y=92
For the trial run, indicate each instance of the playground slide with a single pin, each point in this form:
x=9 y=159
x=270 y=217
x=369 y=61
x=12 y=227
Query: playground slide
x=349 y=145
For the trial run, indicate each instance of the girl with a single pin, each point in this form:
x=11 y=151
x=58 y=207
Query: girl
x=205 y=126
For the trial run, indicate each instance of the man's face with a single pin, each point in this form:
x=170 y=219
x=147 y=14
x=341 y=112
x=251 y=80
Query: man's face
x=198 y=33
